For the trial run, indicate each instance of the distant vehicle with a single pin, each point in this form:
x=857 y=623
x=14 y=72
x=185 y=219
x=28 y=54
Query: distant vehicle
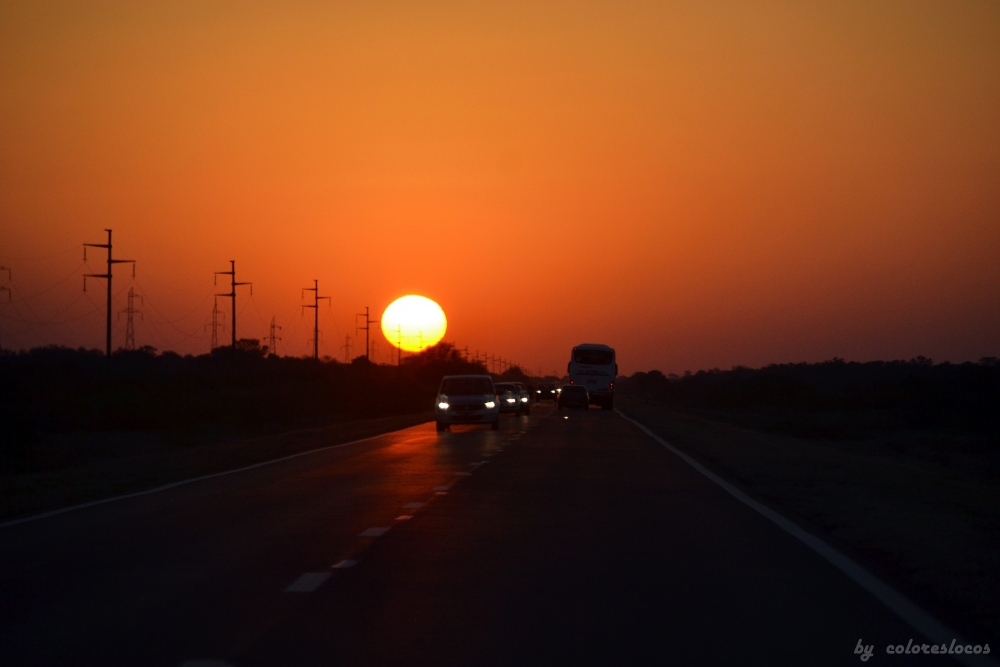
x=509 y=398
x=573 y=396
x=467 y=399
x=525 y=397
x=546 y=391
x=593 y=367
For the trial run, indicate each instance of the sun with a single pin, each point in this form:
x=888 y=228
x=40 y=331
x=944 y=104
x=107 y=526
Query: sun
x=413 y=323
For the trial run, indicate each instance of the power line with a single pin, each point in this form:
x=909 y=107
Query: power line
x=232 y=293
x=368 y=325
x=105 y=276
x=315 y=290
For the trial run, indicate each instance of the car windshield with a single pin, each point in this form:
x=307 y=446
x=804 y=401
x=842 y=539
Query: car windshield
x=506 y=389
x=546 y=387
x=574 y=390
x=466 y=386
x=594 y=357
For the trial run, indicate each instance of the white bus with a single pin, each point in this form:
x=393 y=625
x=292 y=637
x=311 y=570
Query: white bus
x=593 y=366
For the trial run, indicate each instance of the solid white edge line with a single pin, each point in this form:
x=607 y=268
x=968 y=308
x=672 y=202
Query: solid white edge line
x=900 y=605
x=166 y=487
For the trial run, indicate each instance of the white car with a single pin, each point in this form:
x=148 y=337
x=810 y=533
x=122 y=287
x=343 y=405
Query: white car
x=467 y=399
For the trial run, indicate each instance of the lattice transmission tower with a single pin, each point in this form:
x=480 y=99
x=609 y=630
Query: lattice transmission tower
x=130 y=311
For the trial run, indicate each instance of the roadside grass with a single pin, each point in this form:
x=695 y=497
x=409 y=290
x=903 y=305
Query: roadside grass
x=95 y=466
x=923 y=506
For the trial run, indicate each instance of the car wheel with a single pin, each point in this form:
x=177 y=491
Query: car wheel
x=496 y=424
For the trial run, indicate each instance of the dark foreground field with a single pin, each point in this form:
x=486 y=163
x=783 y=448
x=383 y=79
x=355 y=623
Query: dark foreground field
x=906 y=473
x=74 y=428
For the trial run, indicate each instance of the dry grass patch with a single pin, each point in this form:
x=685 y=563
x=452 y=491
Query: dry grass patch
x=934 y=523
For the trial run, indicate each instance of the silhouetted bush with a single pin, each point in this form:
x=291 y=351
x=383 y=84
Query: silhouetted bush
x=58 y=390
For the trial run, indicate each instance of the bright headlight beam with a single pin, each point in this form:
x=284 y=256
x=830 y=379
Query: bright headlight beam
x=442 y=405
x=490 y=404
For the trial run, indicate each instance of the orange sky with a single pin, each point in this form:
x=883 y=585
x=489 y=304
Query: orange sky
x=698 y=185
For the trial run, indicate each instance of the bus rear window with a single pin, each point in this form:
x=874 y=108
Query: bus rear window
x=594 y=357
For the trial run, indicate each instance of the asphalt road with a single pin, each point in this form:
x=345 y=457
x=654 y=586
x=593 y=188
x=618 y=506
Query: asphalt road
x=562 y=539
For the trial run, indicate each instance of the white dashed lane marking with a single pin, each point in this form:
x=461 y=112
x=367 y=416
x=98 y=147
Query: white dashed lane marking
x=413 y=506
x=344 y=564
x=443 y=487
x=404 y=517
x=462 y=474
x=308 y=582
x=440 y=493
x=374 y=532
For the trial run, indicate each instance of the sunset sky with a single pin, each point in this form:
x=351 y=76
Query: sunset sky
x=697 y=184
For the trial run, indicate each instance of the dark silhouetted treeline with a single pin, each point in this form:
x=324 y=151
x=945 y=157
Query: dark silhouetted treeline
x=59 y=390
x=837 y=399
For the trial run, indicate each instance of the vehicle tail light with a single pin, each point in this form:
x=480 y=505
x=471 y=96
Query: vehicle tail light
x=611 y=386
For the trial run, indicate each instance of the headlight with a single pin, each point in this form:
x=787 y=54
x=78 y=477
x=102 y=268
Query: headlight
x=490 y=404
x=512 y=400
x=524 y=399
x=442 y=405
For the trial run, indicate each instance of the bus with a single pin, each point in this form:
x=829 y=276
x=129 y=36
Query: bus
x=593 y=366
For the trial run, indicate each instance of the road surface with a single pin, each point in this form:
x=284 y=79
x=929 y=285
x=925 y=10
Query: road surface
x=565 y=538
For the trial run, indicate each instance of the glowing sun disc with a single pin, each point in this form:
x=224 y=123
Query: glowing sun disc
x=413 y=323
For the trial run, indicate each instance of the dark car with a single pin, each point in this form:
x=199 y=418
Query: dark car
x=573 y=396
x=509 y=398
x=525 y=397
x=546 y=391
x=466 y=399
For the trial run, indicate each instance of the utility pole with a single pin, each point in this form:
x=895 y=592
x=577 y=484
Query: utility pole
x=347 y=348
x=5 y=289
x=272 y=347
x=315 y=290
x=232 y=292
x=218 y=322
x=106 y=276
x=130 y=311
x=368 y=325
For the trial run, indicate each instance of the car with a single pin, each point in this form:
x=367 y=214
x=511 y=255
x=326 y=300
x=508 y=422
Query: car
x=525 y=397
x=546 y=391
x=573 y=396
x=466 y=399
x=509 y=398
